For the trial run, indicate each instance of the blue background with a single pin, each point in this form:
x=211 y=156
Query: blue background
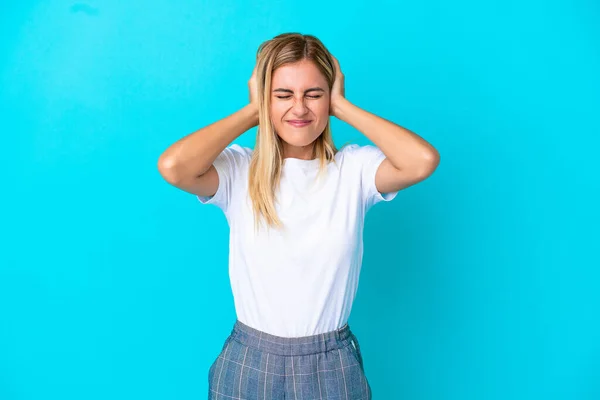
x=481 y=282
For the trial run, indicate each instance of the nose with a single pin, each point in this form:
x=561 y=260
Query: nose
x=299 y=108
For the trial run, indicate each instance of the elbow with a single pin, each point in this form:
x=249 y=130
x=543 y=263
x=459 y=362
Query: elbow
x=433 y=159
x=430 y=163
x=167 y=167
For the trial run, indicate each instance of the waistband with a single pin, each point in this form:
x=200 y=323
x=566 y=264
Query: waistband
x=292 y=346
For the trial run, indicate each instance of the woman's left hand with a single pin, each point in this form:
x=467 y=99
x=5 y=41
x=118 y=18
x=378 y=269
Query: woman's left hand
x=337 y=91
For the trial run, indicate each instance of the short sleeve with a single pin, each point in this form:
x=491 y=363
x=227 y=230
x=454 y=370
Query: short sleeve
x=232 y=167
x=368 y=158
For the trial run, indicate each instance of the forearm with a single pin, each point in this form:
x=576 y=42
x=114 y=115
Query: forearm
x=402 y=147
x=193 y=154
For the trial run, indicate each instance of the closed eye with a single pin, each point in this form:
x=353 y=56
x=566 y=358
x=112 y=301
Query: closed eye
x=287 y=97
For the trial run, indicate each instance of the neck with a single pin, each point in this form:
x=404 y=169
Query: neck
x=301 y=152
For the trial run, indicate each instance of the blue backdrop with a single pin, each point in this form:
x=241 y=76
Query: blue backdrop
x=479 y=283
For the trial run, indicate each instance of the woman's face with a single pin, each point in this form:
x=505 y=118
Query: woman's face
x=299 y=92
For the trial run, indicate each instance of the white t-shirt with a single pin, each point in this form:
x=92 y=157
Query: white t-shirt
x=302 y=280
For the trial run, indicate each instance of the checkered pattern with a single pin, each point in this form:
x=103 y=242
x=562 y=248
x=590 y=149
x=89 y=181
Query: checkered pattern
x=255 y=365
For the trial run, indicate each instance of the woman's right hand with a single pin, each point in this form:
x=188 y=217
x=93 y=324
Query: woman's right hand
x=253 y=89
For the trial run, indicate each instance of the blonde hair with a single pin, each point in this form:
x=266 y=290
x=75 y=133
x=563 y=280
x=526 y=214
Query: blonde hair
x=267 y=159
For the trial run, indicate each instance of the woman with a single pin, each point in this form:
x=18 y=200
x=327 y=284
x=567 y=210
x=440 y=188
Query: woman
x=295 y=206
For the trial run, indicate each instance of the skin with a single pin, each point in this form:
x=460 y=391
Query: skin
x=299 y=92
x=187 y=163
x=409 y=158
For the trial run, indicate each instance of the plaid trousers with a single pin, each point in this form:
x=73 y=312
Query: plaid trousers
x=255 y=365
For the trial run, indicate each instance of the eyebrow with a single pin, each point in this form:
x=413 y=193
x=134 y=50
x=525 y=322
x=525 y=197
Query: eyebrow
x=291 y=91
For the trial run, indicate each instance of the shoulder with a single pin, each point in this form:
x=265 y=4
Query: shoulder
x=359 y=154
x=240 y=151
x=234 y=154
x=233 y=160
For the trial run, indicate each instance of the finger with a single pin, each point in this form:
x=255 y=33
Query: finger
x=336 y=63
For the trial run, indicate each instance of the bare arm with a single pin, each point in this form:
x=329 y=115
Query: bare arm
x=187 y=163
x=409 y=158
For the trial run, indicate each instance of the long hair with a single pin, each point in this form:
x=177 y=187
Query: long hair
x=267 y=159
